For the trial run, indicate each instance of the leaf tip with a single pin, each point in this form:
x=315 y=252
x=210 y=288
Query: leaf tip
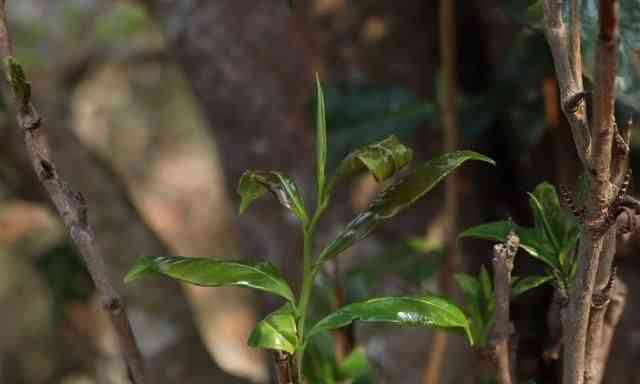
x=139 y=269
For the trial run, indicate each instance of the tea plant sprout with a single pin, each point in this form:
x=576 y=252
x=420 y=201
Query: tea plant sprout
x=287 y=330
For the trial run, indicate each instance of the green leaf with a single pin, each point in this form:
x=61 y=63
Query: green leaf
x=469 y=285
x=523 y=285
x=254 y=184
x=320 y=364
x=321 y=139
x=292 y=4
x=383 y=159
x=543 y=209
x=397 y=197
x=359 y=114
x=485 y=283
x=530 y=240
x=355 y=367
x=212 y=273
x=430 y=311
x=277 y=331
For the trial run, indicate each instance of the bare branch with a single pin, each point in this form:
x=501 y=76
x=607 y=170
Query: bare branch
x=70 y=205
x=575 y=53
x=571 y=91
x=285 y=369
x=503 y=256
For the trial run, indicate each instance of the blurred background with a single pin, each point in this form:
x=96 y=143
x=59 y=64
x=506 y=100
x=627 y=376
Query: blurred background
x=156 y=107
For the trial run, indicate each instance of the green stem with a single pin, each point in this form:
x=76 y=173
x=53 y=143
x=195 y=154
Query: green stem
x=309 y=273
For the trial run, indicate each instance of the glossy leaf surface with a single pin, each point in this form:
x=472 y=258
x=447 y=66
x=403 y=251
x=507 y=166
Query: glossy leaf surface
x=397 y=197
x=528 y=283
x=430 y=311
x=254 y=184
x=277 y=331
x=212 y=273
x=383 y=159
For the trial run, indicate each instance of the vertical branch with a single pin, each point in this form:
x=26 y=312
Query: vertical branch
x=572 y=94
x=285 y=367
x=70 y=205
x=596 y=158
x=503 y=256
x=448 y=112
x=575 y=52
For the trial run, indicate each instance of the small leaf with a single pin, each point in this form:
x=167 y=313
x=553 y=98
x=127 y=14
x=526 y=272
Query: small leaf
x=528 y=283
x=468 y=284
x=277 y=331
x=430 y=311
x=321 y=139
x=254 y=184
x=397 y=197
x=292 y=4
x=542 y=223
x=485 y=283
x=355 y=367
x=212 y=273
x=530 y=240
x=383 y=159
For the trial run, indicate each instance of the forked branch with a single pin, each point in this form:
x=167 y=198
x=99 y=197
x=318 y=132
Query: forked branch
x=70 y=205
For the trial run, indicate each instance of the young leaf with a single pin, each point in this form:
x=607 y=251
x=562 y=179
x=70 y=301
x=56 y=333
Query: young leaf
x=277 y=331
x=430 y=311
x=531 y=240
x=397 y=197
x=542 y=221
x=485 y=283
x=468 y=284
x=212 y=273
x=383 y=159
x=523 y=285
x=355 y=367
x=321 y=139
x=254 y=184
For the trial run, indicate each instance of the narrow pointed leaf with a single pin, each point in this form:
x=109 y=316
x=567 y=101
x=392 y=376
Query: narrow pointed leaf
x=212 y=273
x=530 y=282
x=321 y=139
x=542 y=222
x=485 y=283
x=277 y=331
x=429 y=311
x=383 y=159
x=530 y=240
x=254 y=184
x=397 y=197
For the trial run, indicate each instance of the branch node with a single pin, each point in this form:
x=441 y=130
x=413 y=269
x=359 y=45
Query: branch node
x=573 y=102
x=47 y=171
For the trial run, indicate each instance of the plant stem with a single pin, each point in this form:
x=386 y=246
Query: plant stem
x=309 y=274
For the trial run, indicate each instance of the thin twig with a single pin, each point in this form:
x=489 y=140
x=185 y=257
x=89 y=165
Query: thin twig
x=70 y=205
x=448 y=112
x=503 y=256
x=285 y=369
x=575 y=53
x=572 y=94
